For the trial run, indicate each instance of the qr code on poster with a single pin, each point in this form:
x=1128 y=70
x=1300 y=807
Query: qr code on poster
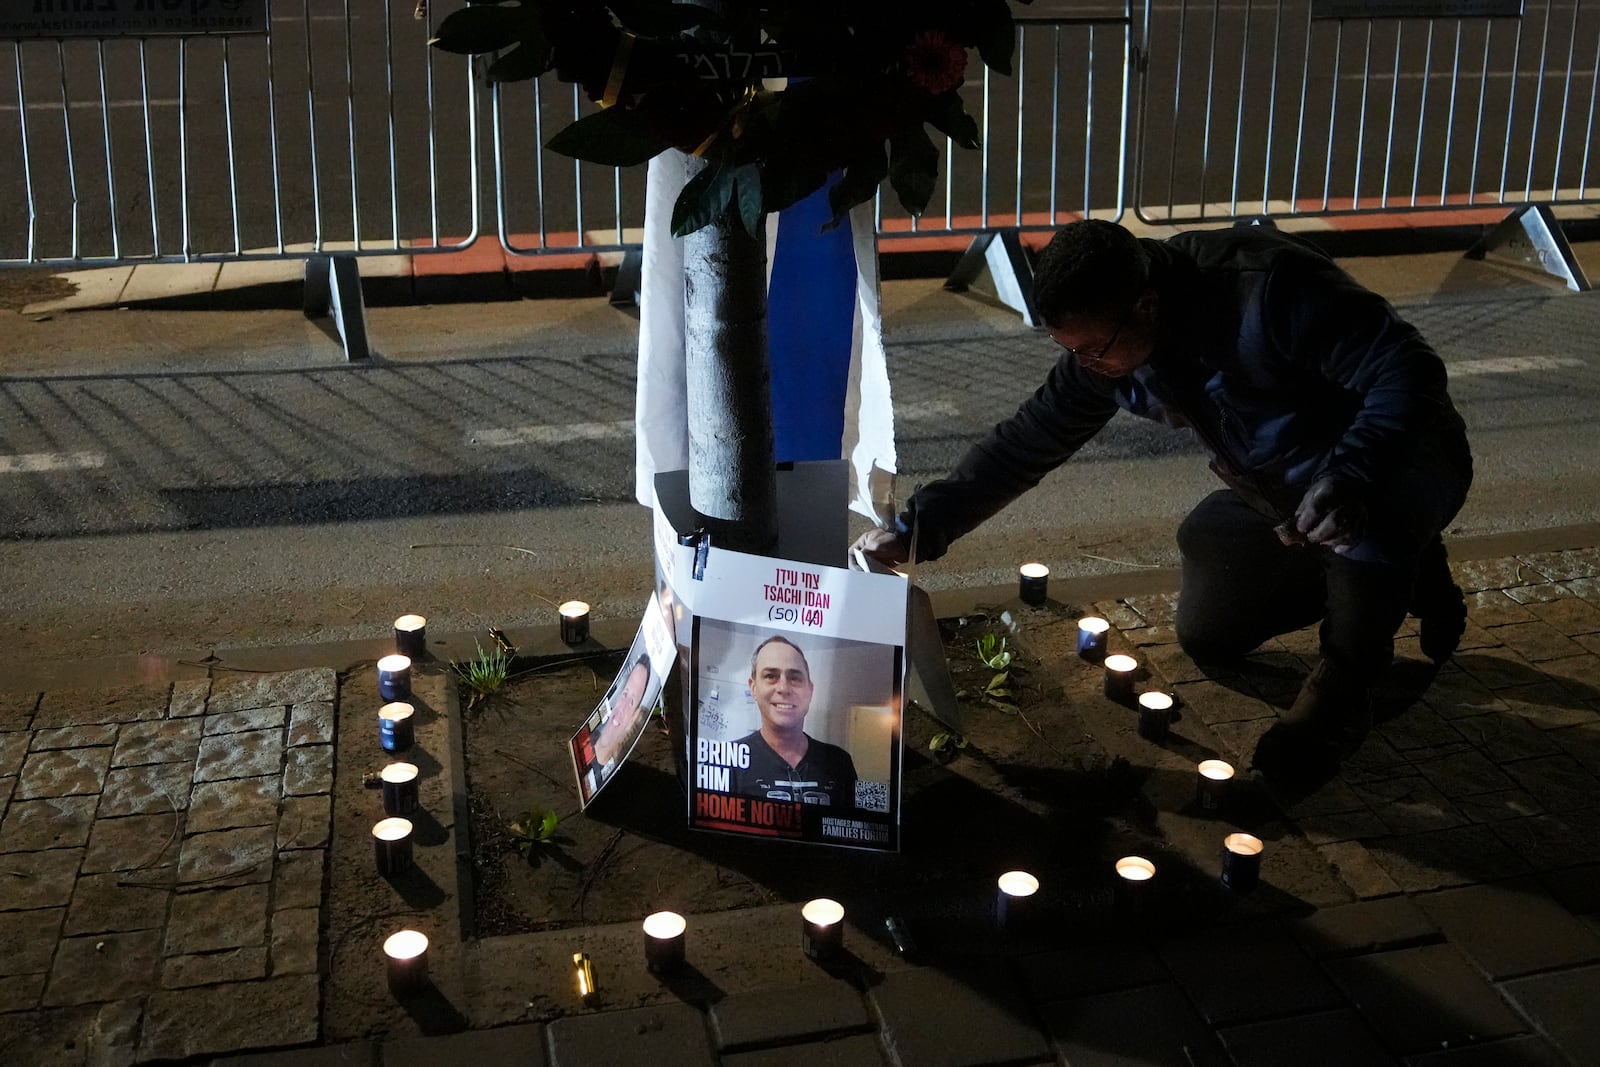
x=872 y=796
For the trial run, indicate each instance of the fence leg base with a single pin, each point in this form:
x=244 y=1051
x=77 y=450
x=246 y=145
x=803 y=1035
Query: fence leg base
x=630 y=277
x=1532 y=237
x=333 y=288
x=999 y=254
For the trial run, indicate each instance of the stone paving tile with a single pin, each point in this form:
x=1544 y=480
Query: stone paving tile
x=1537 y=594
x=1425 y=998
x=1511 y=1052
x=132 y=842
x=188 y=698
x=1170 y=664
x=1143 y=637
x=956 y=1019
x=1459 y=695
x=1491 y=607
x=227 y=857
x=1561 y=565
x=1149 y=1025
x=1550 y=842
x=1476 y=637
x=1560 y=783
x=1239 y=739
x=41 y=879
x=74 y=737
x=163 y=741
x=28 y=939
x=1511 y=928
x=97 y=1035
x=857 y=1050
x=1366 y=926
x=1334 y=797
x=808 y=1011
x=180 y=1023
x=1537 y=641
x=74 y=707
x=311 y=723
x=1341 y=826
x=238 y=722
x=1119 y=615
x=243 y=755
x=262 y=691
x=1548 y=705
x=297 y=879
x=1327 y=1039
x=1499 y=806
x=146 y=790
x=8 y=785
x=102 y=903
x=1561 y=1005
x=1463 y=774
x=1410 y=805
x=1577 y=888
x=63 y=772
x=1458 y=856
x=1086 y=969
x=1477 y=574
x=16 y=709
x=1504 y=738
x=308 y=769
x=213 y=919
x=20 y=993
x=1268 y=974
x=1579 y=674
x=233 y=965
x=1214 y=703
x=1359 y=870
x=103 y=967
x=233 y=802
x=55 y=822
x=1419 y=726
x=522 y=1046
x=1569 y=614
x=1497 y=668
x=672 y=1035
x=1582 y=743
x=13 y=746
x=1375 y=760
x=295 y=940
x=305 y=822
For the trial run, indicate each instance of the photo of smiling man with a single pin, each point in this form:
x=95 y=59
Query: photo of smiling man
x=786 y=763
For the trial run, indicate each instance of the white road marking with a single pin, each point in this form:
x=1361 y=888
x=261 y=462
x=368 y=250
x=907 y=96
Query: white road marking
x=1511 y=365
x=34 y=462
x=621 y=429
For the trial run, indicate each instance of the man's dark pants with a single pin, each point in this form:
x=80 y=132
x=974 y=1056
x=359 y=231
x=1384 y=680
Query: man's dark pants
x=1242 y=585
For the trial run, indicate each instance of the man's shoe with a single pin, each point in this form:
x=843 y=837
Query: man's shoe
x=1333 y=710
x=1438 y=604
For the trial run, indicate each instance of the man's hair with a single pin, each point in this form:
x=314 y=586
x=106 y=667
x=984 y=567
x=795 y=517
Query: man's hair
x=776 y=640
x=1090 y=267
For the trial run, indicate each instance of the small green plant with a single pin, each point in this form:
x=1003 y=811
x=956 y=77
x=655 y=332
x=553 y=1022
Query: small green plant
x=946 y=744
x=992 y=651
x=485 y=673
x=533 y=827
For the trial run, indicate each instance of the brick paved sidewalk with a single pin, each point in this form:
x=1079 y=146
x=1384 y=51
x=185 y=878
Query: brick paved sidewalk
x=1434 y=905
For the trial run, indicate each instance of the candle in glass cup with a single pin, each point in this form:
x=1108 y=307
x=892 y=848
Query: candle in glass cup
x=1092 y=631
x=1134 y=875
x=663 y=941
x=391 y=845
x=822 y=928
x=396 y=726
x=411 y=636
x=1014 y=903
x=399 y=788
x=574 y=622
x=394 y=677
x=1241 y=862
x=1155 y=715
x=406 y=956
x=1033 y=583
x=1119 y=678
x=1215 y=778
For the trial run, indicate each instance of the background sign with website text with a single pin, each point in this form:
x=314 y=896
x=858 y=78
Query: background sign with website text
x=1415 y=9
x=129 y=18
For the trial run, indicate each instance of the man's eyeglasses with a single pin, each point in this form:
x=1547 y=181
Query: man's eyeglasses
x=1085 y=356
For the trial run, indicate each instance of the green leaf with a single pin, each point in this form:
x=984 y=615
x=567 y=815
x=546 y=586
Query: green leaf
x=996 y=684
x=997 y=40
x=473 y=30
x=948 y=114
x=859 y=184
x=613 y=137
x=747 y=185
x=547 y=825
x=703 y=200
x=913 y=168
x=528 y=60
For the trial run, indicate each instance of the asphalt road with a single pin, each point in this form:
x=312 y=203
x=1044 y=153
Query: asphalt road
x=222 y=479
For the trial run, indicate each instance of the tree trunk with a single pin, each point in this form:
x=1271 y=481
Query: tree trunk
x=732 y=481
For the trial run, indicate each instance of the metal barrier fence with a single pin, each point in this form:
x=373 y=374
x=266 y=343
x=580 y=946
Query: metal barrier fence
x=1256 y=107
x=338 y=130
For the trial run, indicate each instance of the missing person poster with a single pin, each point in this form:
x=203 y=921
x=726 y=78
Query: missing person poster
x=794 y=702
x=607 y=737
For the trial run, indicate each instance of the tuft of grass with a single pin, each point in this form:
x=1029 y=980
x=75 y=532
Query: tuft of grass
x=485 y=673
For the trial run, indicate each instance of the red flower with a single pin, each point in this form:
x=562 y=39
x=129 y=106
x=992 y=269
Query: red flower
x=935 y=63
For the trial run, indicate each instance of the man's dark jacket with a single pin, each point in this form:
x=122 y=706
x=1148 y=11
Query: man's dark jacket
x=1285 y=368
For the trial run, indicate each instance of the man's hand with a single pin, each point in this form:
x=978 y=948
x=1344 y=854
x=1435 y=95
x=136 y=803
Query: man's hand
x=1332 y=514
x=882 y=545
